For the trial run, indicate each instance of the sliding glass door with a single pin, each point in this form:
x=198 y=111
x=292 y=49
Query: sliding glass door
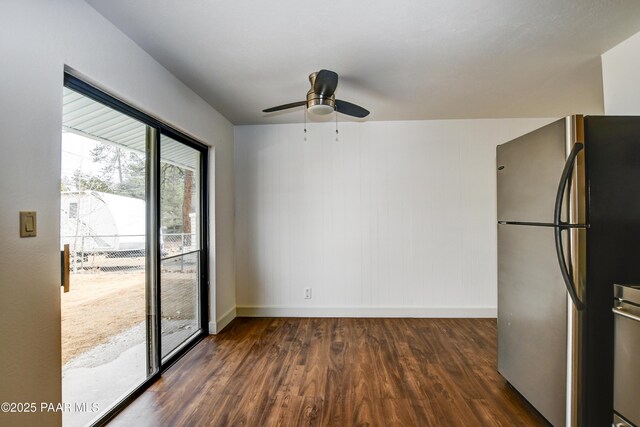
x=133 y=250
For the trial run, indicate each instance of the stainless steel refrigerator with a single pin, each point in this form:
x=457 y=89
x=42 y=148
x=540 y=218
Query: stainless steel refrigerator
x=568 y=229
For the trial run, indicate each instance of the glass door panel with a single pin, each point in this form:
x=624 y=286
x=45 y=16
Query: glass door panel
x=103 y=222
x=180 y=244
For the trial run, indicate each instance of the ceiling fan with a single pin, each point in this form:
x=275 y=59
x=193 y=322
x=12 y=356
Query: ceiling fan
x=321 y=99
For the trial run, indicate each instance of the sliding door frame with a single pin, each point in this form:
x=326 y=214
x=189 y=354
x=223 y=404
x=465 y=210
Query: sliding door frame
x=155 y=128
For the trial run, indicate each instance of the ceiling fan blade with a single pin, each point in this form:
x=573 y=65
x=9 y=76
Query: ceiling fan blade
x=326 y=83
x=284 y=107
x=350 y=109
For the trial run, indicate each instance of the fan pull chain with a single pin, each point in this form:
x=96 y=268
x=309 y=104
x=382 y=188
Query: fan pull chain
x=305 y=123
x=336 y=125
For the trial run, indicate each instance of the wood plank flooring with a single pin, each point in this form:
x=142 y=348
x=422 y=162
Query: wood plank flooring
x=337 y=372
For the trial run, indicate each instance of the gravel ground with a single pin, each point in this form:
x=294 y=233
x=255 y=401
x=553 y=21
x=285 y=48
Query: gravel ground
x=108 y=310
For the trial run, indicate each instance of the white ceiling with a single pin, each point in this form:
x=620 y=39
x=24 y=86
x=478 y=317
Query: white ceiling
x=405 y=60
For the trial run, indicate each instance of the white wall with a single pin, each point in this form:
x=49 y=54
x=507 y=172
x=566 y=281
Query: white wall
x=394 y=219
x=621 y=78
x=37 y=38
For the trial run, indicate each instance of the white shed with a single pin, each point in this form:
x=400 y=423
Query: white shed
x=91 y=221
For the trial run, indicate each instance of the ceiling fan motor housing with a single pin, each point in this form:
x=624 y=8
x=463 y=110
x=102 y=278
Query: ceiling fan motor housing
x=317 y=103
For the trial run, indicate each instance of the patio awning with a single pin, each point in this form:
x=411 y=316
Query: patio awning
x=84 y=116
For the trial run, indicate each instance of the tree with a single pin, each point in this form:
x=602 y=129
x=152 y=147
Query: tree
x=83 y=181
x=124 y=169
x=176 y=191
x=186 y=205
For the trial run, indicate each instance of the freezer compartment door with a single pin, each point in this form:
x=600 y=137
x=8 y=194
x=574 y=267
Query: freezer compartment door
x=626 y=370
x=532 y=318
x=529 y=170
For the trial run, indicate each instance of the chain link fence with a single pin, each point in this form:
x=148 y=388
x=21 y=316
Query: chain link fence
x=121 y=253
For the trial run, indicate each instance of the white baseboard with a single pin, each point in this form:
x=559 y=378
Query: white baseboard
x=417 y=312
x=222 y=322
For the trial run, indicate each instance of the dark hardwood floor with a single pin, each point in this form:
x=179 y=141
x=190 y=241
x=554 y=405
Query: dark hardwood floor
x=337 y=372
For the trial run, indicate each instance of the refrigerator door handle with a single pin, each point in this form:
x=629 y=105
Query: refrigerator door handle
x=559 y=225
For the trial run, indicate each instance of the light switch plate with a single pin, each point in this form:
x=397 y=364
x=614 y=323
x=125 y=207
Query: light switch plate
x=28 y=224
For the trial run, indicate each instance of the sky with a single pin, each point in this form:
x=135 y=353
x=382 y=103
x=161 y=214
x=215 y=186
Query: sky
x=76 y=154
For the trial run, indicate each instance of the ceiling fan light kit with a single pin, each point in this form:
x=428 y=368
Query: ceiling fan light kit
x=321 y=109
x=321 y=98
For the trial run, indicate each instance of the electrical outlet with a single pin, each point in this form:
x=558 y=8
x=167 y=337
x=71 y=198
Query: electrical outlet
x=307 y=293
